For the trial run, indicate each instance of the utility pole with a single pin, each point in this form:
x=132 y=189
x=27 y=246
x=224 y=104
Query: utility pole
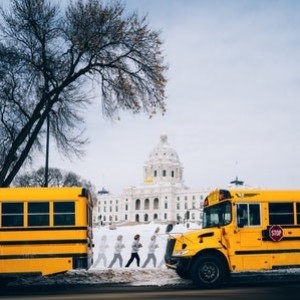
x=47 y=152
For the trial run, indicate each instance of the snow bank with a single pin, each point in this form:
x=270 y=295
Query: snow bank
x=133 y=275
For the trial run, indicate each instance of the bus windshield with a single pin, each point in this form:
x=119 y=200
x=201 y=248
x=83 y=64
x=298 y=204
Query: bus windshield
x=217 y=215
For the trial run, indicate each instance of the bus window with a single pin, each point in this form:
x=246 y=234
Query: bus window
x=242 y=215
x=248 y=215
x=254 y=212
x=38 y=214
x=12 y=215
x=217 y=215
x=298 y=213
x=281 y=213
x=64 y=213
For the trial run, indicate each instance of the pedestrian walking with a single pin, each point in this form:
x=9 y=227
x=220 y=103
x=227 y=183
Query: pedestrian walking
x=151 y=252
x=118 y=249
x=101 y=254
x=135 y=247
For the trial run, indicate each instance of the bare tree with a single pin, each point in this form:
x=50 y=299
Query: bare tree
x=57 y=178
x=36 y=178
x=47 y=56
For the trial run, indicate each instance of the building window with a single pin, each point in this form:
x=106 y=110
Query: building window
x=138 y=204
x=166 y=205
x=126 y=206
x=147 y=203
x=146 y=218
x=166 y=216
x=155 y=216
x=156 y=203
x=172 y=173
x=178 y=205
x=137 y=218
x=155 y=173
x=126 y=217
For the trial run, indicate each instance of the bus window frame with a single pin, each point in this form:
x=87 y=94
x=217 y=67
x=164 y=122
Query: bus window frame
x=248 y=217
x=64 y=215
x=217 y=205
x=12 y=215
x=42 y=214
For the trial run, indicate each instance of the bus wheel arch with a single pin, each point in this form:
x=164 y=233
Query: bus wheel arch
x=209 y=269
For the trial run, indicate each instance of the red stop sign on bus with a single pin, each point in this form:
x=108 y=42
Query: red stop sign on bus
x=276 y=233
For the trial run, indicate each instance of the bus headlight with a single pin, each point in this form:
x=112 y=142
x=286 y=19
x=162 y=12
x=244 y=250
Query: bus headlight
x=181 y=252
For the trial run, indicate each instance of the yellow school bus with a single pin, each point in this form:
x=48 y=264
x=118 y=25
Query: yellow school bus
x=243 y=230
x=44 y=231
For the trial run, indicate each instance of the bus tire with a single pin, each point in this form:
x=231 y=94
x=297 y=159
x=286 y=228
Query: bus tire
x=208 y=272
x=183 y=273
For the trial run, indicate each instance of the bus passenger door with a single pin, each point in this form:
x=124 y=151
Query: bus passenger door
x=248 y=236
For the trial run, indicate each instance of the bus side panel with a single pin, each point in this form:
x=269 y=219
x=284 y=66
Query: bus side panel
x=49 y=249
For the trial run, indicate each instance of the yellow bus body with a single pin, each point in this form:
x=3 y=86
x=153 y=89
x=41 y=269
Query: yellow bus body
x=243 y=230
x=44 y=231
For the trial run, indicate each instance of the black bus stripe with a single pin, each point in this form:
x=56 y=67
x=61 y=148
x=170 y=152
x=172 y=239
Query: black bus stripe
x=44 y=242
x=37 y=256
x=273 y=251
x=43 y=228
x=290 y=238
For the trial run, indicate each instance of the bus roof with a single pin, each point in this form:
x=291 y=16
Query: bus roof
x=41 y=193
x=253 y=195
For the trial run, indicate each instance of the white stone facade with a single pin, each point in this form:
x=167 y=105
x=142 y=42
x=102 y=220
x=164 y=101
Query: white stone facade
x=162 y=196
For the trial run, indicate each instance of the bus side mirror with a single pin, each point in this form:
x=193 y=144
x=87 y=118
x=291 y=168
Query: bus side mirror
x=169 y=228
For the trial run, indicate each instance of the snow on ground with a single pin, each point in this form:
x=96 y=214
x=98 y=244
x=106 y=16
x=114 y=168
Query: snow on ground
x=133 y=275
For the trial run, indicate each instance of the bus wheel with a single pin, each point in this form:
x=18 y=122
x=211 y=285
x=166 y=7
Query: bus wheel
x=183 y=273
x=208 y=272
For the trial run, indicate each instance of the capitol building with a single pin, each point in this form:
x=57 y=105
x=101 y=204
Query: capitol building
x=162 y=197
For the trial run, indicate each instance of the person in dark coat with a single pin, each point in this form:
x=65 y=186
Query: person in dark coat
x=135 y=247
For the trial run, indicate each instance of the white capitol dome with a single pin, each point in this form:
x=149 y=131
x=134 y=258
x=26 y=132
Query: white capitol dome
x=163 y=164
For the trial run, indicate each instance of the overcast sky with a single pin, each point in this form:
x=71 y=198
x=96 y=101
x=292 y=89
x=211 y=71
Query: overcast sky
x=233 y=99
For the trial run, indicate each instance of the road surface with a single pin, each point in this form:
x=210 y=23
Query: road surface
x=238 y=288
